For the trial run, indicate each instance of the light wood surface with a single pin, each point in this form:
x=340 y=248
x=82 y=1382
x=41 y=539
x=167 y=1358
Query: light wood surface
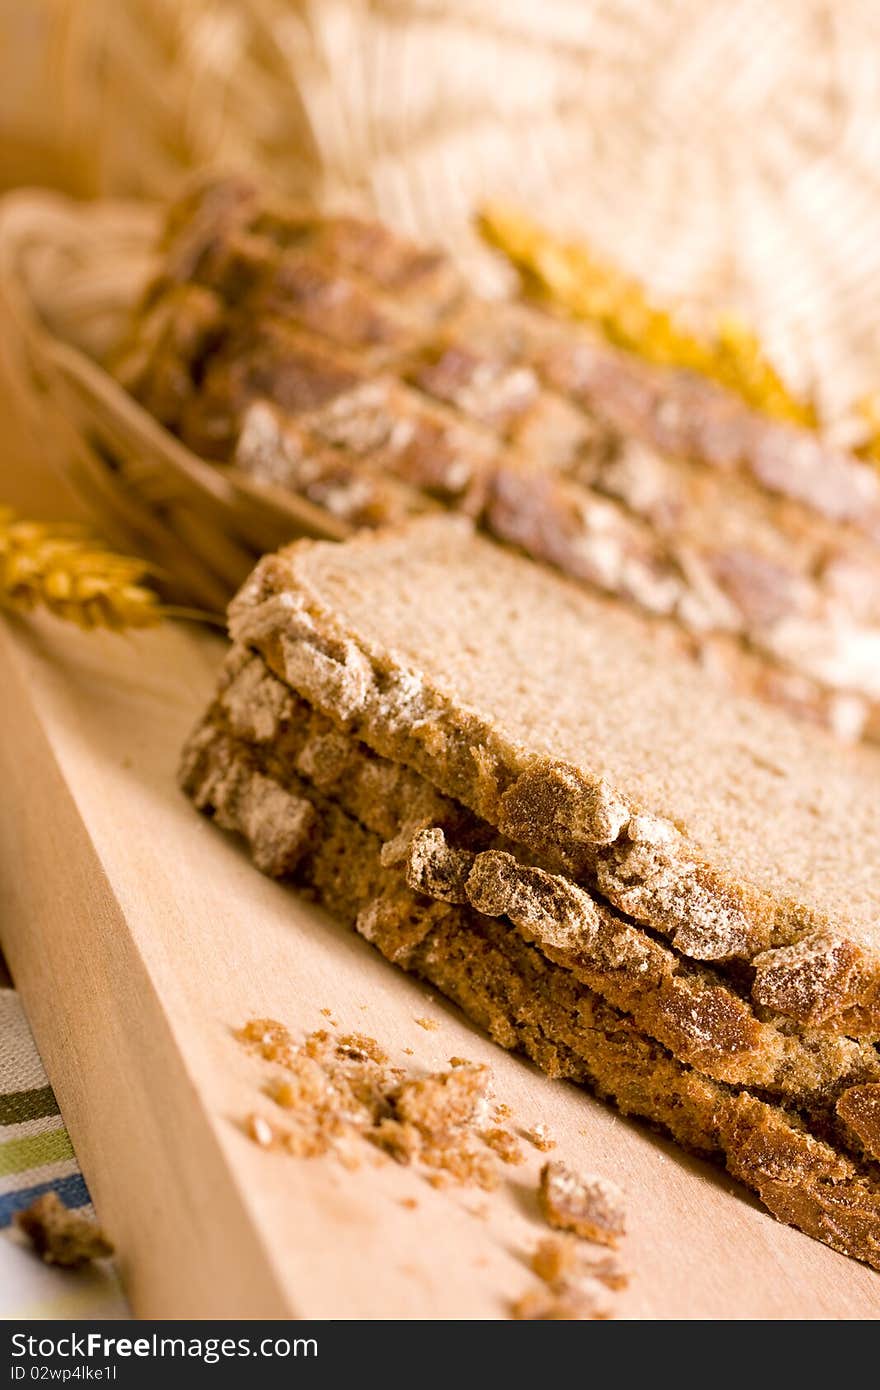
x=140 y=936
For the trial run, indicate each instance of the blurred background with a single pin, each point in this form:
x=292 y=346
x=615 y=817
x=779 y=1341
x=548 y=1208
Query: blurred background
x=725 y=151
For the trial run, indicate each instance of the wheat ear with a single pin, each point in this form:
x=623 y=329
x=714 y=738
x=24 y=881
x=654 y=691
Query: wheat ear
x=570 y=276
x=62 y=568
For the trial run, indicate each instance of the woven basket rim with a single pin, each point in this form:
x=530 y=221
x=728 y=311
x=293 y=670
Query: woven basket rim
x=238 y=517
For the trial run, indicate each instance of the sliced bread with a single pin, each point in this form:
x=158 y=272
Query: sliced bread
x=544 y=710
x=525 y=1002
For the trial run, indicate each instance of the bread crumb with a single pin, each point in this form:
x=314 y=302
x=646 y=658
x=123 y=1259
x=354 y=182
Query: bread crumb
x=304 y=1144
x=402 y=1141
x=408 y=1052
x=502 y=1111
x=607 y=1270
x=430 y=1025
x=339 y=1092
x=305 y=1084
x=584 y=1303
x=328 y=1013
x=260 y=1130
x=347 y=1156
x=61 y=1236
x=444 y=1101
x=504 y=1144
x=410 y=1203
x=540 y=1138
x=480 y=1211
x=360 y=1047
x=555 y=1257
x=562 y=1259
x=316 y=1043
x=586 y=1204
x=463 y=1164
x=270 y=1038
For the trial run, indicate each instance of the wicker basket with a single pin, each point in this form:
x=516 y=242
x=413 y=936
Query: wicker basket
x=69 y=274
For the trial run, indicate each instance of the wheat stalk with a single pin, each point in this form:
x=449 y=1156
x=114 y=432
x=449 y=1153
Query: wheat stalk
x=570 y=276
x=62 y=568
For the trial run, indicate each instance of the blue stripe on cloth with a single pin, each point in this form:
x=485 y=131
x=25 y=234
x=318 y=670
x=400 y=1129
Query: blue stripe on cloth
x=72 y=1191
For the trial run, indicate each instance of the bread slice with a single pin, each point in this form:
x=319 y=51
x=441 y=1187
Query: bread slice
x=230 y=211
x=694 y=1011
x=525 y=1002
x=495 y=360
x=677 y=413
x=716 y=822
x=757 y=540
x=275 y=450
x=805 y=650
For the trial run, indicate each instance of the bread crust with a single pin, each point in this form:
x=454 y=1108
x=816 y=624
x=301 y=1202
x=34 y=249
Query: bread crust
x=447 y=854
x=524 y=1001
x=637 y=856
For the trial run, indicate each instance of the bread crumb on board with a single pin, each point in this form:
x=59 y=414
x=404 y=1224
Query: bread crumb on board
x=583 y=1302
x=577 y=1282
x=261 y=1131
x=61 y=1236
x=480 y=1211
x=443 y=1101
x=336 y=1091
x=504 y=1144
x=430 y=1025
x=464 y=1164
x=540 y=1138
x=359 y=1047
x=557 y=1259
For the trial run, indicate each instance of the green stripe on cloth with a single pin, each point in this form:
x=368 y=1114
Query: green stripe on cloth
x=19 y=1155
x=35 y=1158
x=18 y=1106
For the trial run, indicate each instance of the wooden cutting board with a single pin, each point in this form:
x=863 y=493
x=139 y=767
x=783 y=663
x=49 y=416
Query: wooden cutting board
x=140 y=936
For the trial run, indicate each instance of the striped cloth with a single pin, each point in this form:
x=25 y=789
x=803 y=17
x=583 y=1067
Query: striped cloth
x=36 y=1156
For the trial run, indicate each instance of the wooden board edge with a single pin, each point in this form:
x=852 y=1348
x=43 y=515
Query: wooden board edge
x=95 y=1068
